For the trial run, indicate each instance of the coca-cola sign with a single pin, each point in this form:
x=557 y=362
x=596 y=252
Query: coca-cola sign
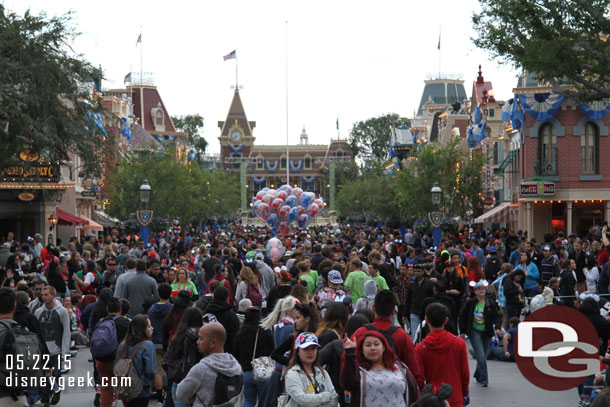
x=537 y=189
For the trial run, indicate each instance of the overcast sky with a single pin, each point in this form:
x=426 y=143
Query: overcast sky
x=350 y=60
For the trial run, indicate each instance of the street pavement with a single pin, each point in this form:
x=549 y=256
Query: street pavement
x=507 y=388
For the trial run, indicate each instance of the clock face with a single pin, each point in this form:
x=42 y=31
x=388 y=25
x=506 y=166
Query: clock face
x=236 y=136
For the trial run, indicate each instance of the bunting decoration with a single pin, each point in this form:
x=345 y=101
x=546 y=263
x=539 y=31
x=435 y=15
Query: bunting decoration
x=236 y=148
x=541 y=106
x=308 y=180
x=478 y=131
x=595 y=110
x=259 y=180
x=477 y=115
x=166 y=137
x=126 y=128
x=98 y=121
x=517 y=115
x=469 y=138
x=272 y=167
x=507 y=110
x=192 y=155
x=296 y=168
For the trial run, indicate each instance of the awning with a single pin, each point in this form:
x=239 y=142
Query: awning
x=65 y=218
x=104 y=219
x=499 y=214
x=92 y=225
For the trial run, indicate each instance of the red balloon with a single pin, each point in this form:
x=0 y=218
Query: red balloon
x=277 y=204
x=282 y=194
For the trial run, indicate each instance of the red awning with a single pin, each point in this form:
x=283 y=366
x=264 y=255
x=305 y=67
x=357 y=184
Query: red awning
x=65 y=218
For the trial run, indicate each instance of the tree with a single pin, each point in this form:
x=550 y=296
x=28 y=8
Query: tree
x=189 y=192
x=458 y=173
x=45 y=100
x=561 y=41
x=191 y=124
x=369 y=196
x=372 y=137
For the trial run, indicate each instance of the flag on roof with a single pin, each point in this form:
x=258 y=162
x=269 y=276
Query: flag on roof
x=139 y=41
x=127 y=78
x=230 y=55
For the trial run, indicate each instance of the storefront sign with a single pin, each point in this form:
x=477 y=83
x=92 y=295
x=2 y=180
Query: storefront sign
x=88 y=194
x=26 y=196
x=537 y=189
x=34 y=173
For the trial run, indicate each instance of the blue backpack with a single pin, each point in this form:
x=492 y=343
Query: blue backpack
x=104 y=340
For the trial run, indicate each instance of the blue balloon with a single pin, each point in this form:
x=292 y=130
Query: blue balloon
x=306 y=198
x=293 y=214
x=291 y=201
x=273 y=221
x=303 y=220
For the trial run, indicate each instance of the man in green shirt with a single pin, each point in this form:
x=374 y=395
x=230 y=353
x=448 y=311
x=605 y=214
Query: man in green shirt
x=305 y=274
x=355 y=280
x=381 y=283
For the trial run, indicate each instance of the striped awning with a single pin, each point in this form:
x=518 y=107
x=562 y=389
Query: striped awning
x=499 y=214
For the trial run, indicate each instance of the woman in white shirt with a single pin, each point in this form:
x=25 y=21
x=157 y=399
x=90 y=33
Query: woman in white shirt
x=591 y=273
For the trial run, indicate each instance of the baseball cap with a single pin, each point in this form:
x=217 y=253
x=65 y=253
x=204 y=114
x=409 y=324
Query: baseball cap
x=546 y=248
x=480 y=283
x=558 y=242
x=259 y=256
x=335 y=277
x=305 y=340
x=493 y=249
x=449 y=263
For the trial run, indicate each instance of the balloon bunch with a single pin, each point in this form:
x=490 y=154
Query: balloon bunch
x=275 y=248
x=279 y=208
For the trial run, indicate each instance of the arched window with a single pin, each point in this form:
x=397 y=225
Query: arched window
x=588 y=149
x=307 y=162
x=283 y=162
x=260 y=162
x=548 y=150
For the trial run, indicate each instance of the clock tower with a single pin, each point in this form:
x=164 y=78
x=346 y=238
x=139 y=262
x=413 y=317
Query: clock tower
x=236 y=138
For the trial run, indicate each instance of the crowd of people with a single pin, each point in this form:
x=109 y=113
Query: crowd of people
x=344 y=316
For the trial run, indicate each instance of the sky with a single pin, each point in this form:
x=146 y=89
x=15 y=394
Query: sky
x=325 y=60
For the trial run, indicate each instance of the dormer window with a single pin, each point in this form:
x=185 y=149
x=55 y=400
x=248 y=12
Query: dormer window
x=307 y=162
x=158 y=117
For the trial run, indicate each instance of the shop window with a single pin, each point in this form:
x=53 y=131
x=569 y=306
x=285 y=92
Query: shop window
x=588 y=149
x=548 y=150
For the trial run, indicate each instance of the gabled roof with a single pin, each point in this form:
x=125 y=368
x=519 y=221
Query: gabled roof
x=152 y=99
x=481 y=90
x=236 y=114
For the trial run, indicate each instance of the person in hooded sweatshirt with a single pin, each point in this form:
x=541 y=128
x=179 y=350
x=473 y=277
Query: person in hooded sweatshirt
x=157 y=313
x=220 y=311
x=370 y=291
x=198 y=387
x=442 y=356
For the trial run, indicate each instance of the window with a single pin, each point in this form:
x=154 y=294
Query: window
x=307 y=162
x=159 y=118
x=588 y=148
x=283 y=163
x=339 y=153
x=496 y=152
x=490 y=112
x=236 y=161
x=259 y=162
x=548 y=155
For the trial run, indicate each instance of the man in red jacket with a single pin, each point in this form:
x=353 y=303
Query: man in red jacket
x=384 y=307
x=443 y=358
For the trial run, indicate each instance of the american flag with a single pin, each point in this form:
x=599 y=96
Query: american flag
x=139 y=41
x=230 y=55
x=127 y=78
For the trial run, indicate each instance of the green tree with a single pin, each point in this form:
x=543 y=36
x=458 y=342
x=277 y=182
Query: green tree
x=44 y=97
x=458 y=172
x=191 y=124
x=562 y=41
x=369 y=196
x=179 y=190
x=371 y=137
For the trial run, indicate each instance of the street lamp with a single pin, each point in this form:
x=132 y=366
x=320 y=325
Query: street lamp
x=436 y=217
x=144 y=215
x=145 y=192
x=437 y=194
x=52 y=222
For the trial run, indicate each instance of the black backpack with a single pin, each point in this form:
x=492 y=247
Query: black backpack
x=387 y=334
x=228 y=390
x=21 y=356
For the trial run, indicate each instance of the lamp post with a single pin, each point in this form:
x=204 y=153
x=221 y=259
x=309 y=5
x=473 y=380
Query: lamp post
x=145 y=214
x=52 y=222
x=436 y=217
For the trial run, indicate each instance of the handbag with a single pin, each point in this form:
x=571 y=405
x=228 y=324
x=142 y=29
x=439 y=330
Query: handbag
x=262 y=367
x=282 y=400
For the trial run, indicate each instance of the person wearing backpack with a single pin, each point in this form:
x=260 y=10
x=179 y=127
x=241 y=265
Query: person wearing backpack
x=13 y=339
x=182 y=353
x=219 y=310
x=249 y=287
x=136 y=359
x=217 y=380
x=384 y=307
x=108 y=333
x=55 y=328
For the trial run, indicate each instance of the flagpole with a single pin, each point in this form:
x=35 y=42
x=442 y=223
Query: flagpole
x=141 y=76
x=439 y=51
x=236 y=81
x=287 y=150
